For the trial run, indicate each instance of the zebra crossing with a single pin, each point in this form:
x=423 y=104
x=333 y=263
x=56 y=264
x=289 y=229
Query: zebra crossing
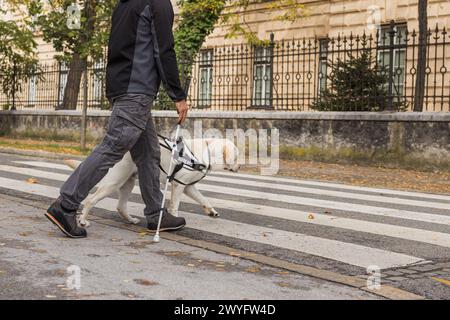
x=350 y=225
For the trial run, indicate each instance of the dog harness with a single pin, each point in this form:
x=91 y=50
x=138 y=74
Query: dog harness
x=188 y=170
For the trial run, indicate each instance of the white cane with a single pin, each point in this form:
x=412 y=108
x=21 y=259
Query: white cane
x=169 y=173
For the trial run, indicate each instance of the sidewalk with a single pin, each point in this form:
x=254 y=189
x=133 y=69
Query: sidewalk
x=120 y=264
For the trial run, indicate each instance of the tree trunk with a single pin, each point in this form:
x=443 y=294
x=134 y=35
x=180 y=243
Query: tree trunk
x=72 y=89
x=78 y=63
x=419 y=97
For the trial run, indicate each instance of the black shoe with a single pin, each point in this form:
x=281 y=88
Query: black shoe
x=168 y=222
x=65 y=220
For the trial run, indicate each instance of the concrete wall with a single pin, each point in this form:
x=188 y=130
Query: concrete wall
x=398 y=137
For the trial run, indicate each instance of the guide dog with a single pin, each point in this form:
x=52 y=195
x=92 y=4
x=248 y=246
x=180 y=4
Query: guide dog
x=217 y=154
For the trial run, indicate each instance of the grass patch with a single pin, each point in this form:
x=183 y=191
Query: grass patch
x=66 y=147
x=48 y=135
x=381 y=158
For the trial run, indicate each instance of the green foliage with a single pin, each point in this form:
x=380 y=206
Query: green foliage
x=356 y=84
x=89 y=40
x=235 y=17
x=17 y=59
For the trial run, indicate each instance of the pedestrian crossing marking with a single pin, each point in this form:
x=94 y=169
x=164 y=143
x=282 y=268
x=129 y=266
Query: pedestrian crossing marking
x=349 y=253
x=336 y=205
x=346 y=252
x=277 y=179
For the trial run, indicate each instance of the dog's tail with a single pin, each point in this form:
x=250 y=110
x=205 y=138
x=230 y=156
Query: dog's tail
x=72 y=163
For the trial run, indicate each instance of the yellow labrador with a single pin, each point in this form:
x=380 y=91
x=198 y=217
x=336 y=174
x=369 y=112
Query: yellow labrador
x=219 y=154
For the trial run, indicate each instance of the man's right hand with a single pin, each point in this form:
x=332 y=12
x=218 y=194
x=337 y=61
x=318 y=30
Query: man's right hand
x=182 y=110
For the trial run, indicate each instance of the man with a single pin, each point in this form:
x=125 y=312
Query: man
x=140 y=55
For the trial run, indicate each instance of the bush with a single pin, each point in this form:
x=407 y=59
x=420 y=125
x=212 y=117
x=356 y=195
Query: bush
x=357 y=84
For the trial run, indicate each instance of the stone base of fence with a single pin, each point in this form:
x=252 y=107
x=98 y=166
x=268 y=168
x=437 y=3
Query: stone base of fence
x=420 y=138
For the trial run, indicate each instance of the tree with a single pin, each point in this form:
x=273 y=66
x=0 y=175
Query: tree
x=17 y=56
x=419 y=96
x=357 y=84
x=78 y=46
x=198 y=18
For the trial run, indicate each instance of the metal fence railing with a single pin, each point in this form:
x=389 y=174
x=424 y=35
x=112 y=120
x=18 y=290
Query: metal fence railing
x=282 y=75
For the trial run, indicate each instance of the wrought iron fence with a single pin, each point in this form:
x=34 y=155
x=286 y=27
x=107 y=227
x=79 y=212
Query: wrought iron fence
x=282 y=75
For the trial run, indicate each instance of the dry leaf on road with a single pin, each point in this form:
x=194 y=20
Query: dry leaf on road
x=32 y=180
x=145 y=282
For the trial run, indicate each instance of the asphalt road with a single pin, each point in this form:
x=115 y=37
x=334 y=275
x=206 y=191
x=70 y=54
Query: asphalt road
x=334 y=227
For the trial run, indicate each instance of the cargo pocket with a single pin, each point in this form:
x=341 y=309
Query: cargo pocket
x=122 y=134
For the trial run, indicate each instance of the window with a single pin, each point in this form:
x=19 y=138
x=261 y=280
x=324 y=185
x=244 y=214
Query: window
x=395 y=55
x=323 y=65
x=32 y=90
x=205 y=76
x=262 y=77
x=97 y=82
x=62 y=81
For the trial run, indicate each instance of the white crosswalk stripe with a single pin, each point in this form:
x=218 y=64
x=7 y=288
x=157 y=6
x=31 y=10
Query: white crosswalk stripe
x=379 y=211
x=267 y=203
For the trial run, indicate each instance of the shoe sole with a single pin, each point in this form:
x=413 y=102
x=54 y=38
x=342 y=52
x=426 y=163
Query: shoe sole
x=168 y=229
x=56 y=223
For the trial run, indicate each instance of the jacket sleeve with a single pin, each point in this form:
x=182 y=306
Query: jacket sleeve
x=166 y=60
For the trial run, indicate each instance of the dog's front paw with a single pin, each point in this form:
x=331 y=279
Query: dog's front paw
x=83 y=222
x=134 y=220
x=212 y=212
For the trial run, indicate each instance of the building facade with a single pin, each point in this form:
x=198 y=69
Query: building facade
x=293 y=70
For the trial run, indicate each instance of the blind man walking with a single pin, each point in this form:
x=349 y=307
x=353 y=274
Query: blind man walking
x=140 y=56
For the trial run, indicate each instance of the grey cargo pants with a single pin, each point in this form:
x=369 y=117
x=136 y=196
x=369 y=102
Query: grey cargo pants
x=131 y=129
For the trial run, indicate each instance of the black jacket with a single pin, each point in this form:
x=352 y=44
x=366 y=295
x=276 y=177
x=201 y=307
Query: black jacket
x=141 y=50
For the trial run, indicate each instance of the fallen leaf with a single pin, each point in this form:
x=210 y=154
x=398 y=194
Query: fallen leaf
x=234 y=254
x=220 y=265
x=175 y=253
x=32 y=180
x=143 y=234
x=283 y=284
x=253 y=269
x=444 y=281
x=310 y=216
x=145 y=282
